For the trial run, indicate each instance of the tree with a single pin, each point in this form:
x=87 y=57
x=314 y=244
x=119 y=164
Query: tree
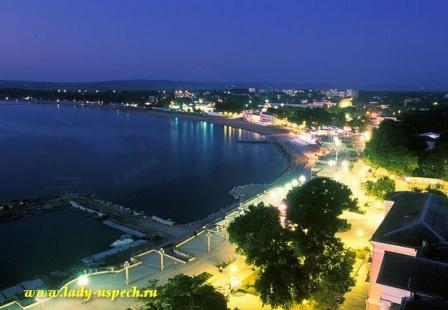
x=304 y=257
x=286 y=282
x=314 y=210
x=399 y=146
x=316 y=206
x=388 y=148
x=334 y=265
x=185 y=292
x=380 y=188
x=259 y=235
x=282 y=279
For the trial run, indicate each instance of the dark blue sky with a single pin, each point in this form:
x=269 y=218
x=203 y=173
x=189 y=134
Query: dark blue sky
x=314 y=41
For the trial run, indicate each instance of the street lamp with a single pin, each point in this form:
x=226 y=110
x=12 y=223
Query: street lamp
x=162 y=253
x=83 y=280
x=208 y=240
x=302 y=179
x=126 y=271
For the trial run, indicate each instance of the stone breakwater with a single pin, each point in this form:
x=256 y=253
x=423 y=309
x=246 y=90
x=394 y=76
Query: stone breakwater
x=298 y=164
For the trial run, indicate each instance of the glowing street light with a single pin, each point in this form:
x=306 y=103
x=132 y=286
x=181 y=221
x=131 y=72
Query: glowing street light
x=302 y=179
x=234 y=281
x=233 y=268
x=83 y=280
x=295 y=183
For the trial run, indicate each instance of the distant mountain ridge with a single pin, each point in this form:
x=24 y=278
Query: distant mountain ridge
x=143 y=84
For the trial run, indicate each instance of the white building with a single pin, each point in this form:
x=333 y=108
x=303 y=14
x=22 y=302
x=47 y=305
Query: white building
x=267 y=119
x=352 y=93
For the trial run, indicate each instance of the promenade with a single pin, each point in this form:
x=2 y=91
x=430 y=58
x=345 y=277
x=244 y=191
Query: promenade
x=220 y=251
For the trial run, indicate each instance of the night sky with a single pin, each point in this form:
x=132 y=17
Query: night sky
x=393 y=42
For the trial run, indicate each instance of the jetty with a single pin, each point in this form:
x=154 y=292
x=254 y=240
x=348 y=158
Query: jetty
x=125 y=229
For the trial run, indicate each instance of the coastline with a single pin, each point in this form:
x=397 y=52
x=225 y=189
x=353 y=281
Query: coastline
x=297 y=163
x=278 y=136
x=295 y=156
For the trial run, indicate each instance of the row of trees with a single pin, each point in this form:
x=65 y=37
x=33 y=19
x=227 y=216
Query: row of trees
x=351 y=116
x=301 y=258
x=398 y=146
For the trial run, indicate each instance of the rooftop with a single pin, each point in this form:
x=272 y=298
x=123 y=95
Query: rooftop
x=414 y=218
x=423 y=302
x=415 y=274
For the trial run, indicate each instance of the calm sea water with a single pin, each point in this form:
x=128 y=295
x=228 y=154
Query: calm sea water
x=171 y=167
x=167 y=166
x=42 y=243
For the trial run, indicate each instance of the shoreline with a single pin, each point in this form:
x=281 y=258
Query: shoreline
x=297 y=163
x=278 y=136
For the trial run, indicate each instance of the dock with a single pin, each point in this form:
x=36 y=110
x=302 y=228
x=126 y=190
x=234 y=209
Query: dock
x=125 y=229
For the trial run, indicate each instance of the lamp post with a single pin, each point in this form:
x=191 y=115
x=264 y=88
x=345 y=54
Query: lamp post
x=208 y=240
x=126 y=271
x=162 y=253
x=82 y=282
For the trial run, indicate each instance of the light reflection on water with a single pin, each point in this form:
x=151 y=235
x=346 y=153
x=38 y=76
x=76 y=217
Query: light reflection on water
x=171 y=167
